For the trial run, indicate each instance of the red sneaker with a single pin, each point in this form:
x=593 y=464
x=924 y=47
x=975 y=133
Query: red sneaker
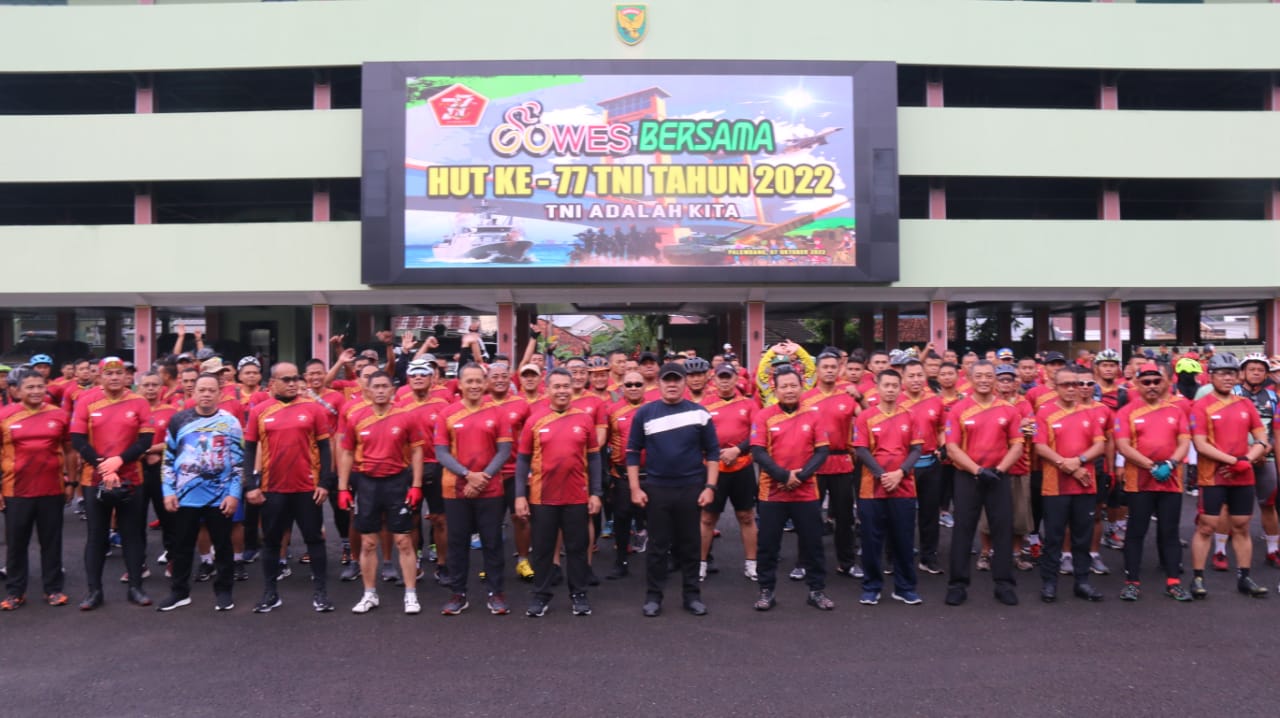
x=1273 y=559
x=1219 y=561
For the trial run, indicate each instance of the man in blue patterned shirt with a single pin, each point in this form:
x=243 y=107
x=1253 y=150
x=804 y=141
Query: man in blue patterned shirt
x=202 y=479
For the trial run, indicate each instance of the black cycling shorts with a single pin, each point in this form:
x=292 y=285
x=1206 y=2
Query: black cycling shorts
x=432 y=490
x=381 y=499
x=737 y=486
x=1238 y=500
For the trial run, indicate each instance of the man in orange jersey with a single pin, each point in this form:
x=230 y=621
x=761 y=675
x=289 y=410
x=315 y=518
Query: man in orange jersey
x=557 y=487
x=732 y=414
x=1154 y=436
x=927 y=412
x=829 y=401
x=983 y=442
x=473 y=441
x=290 y=434
x=35 y=483
x=1221 y=425
x=331 y=400
x=151 y=387
x=888 y=441
x=381 y=456
x=624 y=512
x=111 y=431
x=1069 y=437
x=790 y=444
x=517 y=410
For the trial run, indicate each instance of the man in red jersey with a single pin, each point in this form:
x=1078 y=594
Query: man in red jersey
x=1221 y=424
x=530 y=383
x=557 y=487
x=517 y=411
x=927 y=412
x=473 y=441
x=151 y=387
x=331 y=400
x=984 y=441
x=82 y=382
x=426 y=405
x=1154 y=436
x=888 y=441
x=288 y=436
x=617 y=369
x=624 y=511
x=35 y=483
x=829 y=401
x=381 y=456
x=1020 y=481
x=598 y=380
x=1069 y=437
x=111 y=431
x=732 y=414
x=790 y=444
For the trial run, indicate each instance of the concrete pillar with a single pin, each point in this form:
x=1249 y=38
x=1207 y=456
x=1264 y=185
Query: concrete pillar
x=838 y=319
x=144 y=345
x=1137 y=323
x=1270 y=328
x=143 y=206
x=1109 y=314
x=1188 y=317
x=755 y=335
x=66 y=325
x=507 y=330
x=938 y=325
x=1079 y=317
x=321 y=330
x=937 y=199
x=1004 y=325
x=212 y=326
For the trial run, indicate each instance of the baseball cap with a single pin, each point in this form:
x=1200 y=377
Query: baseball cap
x=1149 y=368
x=1149 y=353
x=110 y=363
x=206 y=353
x=185 y=356
x=531 y=368
x=420 y=367
x=1051 y=357
x=5 y=367
x=726 y=370
x=369 y=354
x=780 y=360
x=672 y=369
x=1006 y=369
x=210 y=366
x=1004 y=353
x=647 y=356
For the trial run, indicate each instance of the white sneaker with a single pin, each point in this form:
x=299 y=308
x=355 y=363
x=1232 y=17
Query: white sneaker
x=1067 y=566
x=163 y=558
x=702 y=570
x=749 y=570
x=411 y=606
x=368 y=602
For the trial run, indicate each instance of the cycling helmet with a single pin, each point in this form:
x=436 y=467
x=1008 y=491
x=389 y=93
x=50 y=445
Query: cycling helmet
x=1225 y=361
x=597 y=364
x=1106 y=355
x=41 y=359
x=696 y=365
x=897 y=357
x=1187 y=365
x=1258 y=357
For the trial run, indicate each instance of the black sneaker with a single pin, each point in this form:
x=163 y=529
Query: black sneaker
x=956 y=595
x=320 y=602
x=765 y=600
x=241 y=572
x=1250 y=588
x=269 y=602
x=1177 y=592
x=205 y=572
x=537 y=607
x=223 y=602
x=930 y=566
x=580 y=605
x=1198 y=590
x=173 y=601
x=820 y=601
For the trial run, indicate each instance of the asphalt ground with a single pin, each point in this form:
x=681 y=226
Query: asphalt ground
x=1153 y=657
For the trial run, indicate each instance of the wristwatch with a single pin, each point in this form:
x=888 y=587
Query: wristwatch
x=712 y=487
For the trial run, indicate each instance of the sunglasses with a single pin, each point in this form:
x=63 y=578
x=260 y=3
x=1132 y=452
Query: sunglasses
x=1150 y=382
x=1075 y=383
x=633 y=385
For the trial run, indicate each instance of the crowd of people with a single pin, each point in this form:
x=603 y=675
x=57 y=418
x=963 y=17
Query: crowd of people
x=1041 y=460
